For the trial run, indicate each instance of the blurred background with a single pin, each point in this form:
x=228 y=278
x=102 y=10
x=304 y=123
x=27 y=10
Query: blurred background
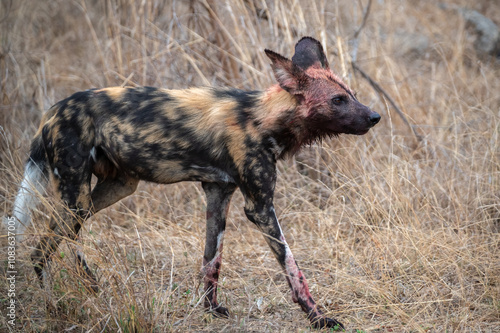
x=396 y=231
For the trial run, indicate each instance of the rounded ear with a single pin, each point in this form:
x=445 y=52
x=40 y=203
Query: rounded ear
x=289 y=76
x=309 y=53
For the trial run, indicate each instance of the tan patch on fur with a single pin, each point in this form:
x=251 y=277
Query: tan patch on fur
x=274 y=103
x=210 y=118
x=206 y=109
x=237 y=148
x=45 y=119
x=153 y=134
x=126 y=128
x=115 y=93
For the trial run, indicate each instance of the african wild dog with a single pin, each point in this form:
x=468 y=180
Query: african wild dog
x=224 y=138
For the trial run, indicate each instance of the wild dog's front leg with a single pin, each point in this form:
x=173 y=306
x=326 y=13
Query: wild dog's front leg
x=265 y=218
x=218 y=198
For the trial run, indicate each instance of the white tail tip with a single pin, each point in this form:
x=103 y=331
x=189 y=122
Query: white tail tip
x=33 y=185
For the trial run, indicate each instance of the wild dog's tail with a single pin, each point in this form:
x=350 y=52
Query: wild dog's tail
x=33 y=185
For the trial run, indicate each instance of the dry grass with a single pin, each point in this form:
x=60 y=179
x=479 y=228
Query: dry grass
x=394 y=235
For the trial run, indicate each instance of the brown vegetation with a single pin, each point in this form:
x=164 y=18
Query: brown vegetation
x=396 y=231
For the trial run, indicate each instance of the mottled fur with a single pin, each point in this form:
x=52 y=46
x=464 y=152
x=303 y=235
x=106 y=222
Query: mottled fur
x=224 y=138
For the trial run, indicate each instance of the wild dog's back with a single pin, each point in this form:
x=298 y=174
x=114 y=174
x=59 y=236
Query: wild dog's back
x=157 y=134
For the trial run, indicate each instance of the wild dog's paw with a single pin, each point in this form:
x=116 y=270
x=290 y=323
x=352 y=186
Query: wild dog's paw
x=219 y=312
x=91 y=286
x=324 y=322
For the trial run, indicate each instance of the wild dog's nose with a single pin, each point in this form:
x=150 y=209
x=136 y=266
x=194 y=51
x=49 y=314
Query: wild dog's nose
x=374 y=118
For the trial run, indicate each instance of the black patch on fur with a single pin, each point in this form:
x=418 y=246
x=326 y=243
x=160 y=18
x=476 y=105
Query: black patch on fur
x=246 y=100
x=37 y=151
x=145 y=104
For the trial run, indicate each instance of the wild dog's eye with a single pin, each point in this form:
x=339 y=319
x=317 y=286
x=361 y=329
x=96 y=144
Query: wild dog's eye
x=337 y=100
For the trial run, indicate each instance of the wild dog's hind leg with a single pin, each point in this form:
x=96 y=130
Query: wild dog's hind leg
x=218 y=198
x=65 y=226
x=71 y=177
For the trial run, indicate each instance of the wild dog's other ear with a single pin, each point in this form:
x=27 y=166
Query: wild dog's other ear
x=309 y=53
x=289 y=76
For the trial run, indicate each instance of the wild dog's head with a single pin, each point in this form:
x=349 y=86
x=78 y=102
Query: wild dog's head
x=327 y=106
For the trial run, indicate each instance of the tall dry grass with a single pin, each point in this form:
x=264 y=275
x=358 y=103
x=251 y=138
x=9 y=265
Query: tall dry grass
x=394 y=234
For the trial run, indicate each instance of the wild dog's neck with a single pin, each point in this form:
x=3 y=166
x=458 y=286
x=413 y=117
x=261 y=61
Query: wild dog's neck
x=282 y=117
